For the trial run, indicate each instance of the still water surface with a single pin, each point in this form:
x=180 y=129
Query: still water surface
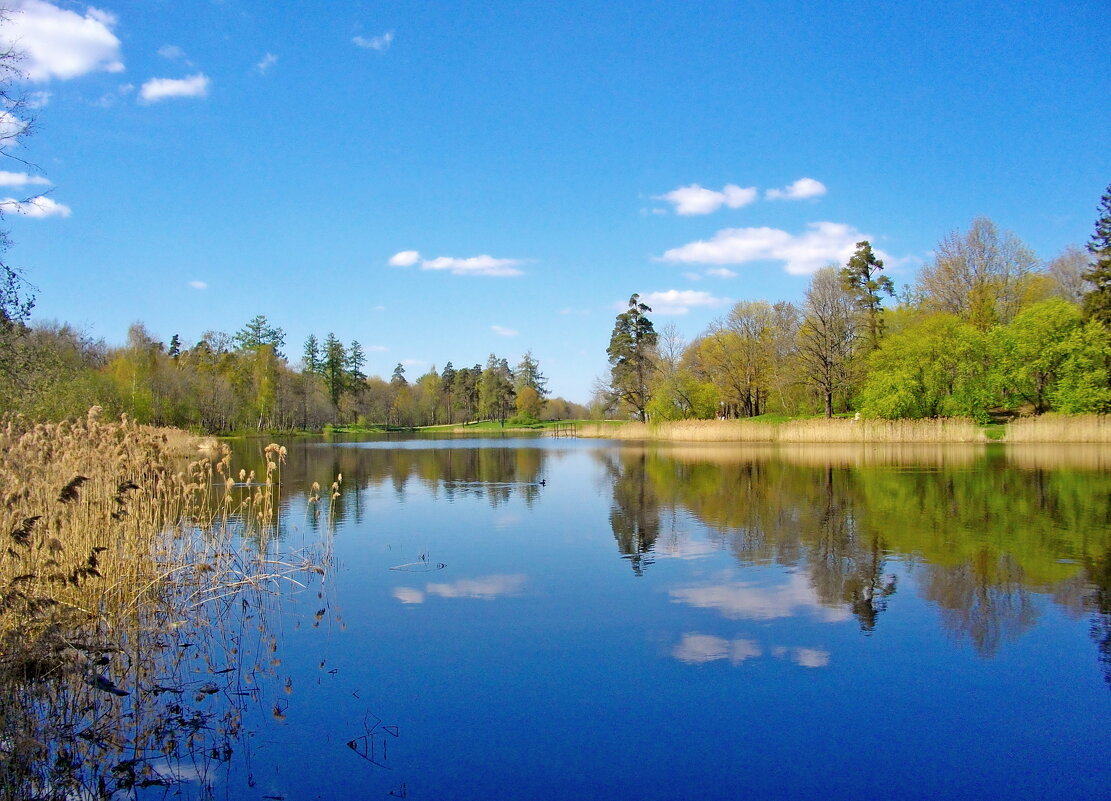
x=547 y=618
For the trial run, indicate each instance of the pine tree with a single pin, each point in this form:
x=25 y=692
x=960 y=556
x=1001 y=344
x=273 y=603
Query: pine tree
x=862 y=278
x=632 y=356
x=1097 y=303
x=311 y=356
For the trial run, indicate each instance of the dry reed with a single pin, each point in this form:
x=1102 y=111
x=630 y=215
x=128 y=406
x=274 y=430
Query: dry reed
x=114 y=550
x=795 y=431
x=1058 y=428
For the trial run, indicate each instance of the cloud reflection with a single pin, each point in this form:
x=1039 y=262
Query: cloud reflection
x=408 y=595
x=486 y=588
x=698 y=649
x=744 y=601
x=803 y=657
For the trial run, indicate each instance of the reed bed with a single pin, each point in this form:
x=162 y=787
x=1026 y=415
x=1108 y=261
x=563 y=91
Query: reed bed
x=117 y=576
x=1058 y=428
x=834 y=431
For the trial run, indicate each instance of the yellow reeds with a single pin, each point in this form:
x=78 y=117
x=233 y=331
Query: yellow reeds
x=1057 y=428
x=795 y=431
x=118 y=566
x=96 y=515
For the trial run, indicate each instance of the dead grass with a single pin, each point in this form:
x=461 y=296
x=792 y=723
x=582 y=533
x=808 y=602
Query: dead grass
x=1058 y=428
x=122 y=571
x=795 y=431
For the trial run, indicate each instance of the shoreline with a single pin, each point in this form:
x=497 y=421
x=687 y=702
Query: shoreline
x=1056 y=429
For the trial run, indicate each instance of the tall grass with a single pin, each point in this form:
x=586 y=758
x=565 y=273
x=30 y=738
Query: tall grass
x=117 y=571
x=1057 y=428
x=795 y=431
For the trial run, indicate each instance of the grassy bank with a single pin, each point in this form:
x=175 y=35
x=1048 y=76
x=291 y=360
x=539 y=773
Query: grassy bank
x=1047 y=428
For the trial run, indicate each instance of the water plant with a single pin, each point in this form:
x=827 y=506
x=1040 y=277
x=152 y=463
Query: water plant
x=124 y=576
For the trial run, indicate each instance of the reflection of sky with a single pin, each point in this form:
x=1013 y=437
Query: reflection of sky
x=486 y=588
x=739 y=600
x=682 y=545
x=698 y=649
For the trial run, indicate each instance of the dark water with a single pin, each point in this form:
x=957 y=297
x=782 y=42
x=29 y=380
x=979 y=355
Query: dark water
x=577 y=619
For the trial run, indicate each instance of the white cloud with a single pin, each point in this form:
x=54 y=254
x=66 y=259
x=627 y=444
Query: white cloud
x=21 y=179
x=59 y=43
x=265 y=63
x=198 y=285
x=484 y=587
x=171 y=52
x=37 y=207
x=679 y=301
x=161 y=88
x=11 y=128
x=406 y=258
x=721 y=272
x=823 y=243
x=37 y=99
x=503 y=332
x=475 y=265
x=695 y=199
x=800 y=190
x=379 y=43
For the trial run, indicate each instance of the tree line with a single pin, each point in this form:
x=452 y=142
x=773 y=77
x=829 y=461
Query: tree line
x=244 y=381
x=986 y=331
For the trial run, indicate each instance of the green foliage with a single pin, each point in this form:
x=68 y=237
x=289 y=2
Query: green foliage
x=1097 y=303
x=495 y=390
x=1031 y=350
x=259 y=333
x=941 y=367
x=683 y=397
x=632 y=354
x=862 y=277
x=1084 y=384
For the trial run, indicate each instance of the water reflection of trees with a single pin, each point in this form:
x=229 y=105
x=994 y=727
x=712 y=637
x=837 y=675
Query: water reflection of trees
x=635 y=512
x=493 y=474
x=985 y=533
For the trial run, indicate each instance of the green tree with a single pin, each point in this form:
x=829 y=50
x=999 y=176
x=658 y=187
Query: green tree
x=940 y=366
x=632 y=357
x=354 y=365
x=1031 y=351
x=495 y=390
x=1084 y=375
x=257 y=333
x=1097 y=303
x=447 y=390
x=334 y=367
x=862 y=277
x=310 y=358
x=528 y=374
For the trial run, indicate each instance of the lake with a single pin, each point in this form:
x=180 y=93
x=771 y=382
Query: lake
x=560 y=618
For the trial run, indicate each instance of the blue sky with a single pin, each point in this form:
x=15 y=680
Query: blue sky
x=525 y=166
